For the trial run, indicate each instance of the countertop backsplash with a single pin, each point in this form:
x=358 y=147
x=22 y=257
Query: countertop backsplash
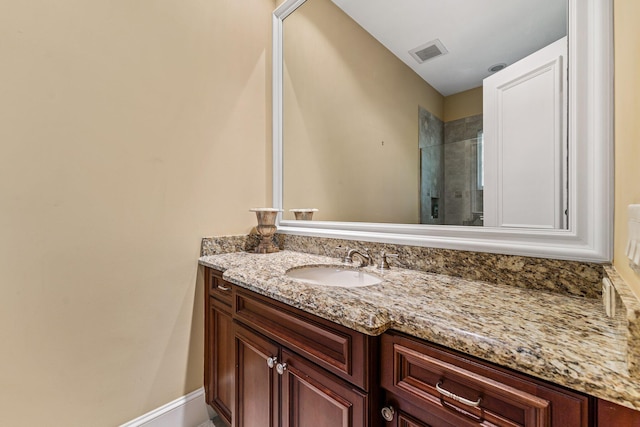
x=574 y=278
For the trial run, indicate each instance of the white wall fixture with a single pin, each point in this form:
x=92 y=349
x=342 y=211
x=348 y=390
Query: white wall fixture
x=589 y=229
x=633 y=241
x=609 y=297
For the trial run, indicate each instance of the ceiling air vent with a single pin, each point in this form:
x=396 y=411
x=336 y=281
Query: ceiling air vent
x=428 y=51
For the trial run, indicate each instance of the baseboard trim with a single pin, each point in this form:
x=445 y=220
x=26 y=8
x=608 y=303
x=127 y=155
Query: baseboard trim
x=186 y=411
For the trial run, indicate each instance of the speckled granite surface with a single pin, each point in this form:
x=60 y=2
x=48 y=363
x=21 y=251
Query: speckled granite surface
x=227 y=244
x=563 y=339
x=566 y=277
x=628 y=313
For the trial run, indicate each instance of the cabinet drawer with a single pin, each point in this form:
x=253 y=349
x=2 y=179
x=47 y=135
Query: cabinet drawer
x=345 y=352
x=477 y=393
x=218 y=287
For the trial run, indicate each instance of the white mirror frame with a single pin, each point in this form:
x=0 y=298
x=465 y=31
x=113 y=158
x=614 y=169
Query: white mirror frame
x=590 y=129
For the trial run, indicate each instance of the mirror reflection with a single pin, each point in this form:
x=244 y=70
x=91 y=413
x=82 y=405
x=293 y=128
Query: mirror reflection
x=384 y=115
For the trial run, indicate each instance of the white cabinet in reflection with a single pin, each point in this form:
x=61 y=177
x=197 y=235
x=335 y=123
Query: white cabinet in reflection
x=525 y=154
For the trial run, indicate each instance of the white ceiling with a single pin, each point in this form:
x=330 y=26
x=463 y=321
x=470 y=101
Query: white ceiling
x=477 y=33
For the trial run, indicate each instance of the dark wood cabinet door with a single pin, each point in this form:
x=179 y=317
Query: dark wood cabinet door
x=311 y=396
x=612 y=415
x=220 y=358
x=257 y=384
x=405 y=420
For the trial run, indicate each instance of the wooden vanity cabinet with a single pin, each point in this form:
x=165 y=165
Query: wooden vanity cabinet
x=332 y=376
x=288 y=368
x=431 y=386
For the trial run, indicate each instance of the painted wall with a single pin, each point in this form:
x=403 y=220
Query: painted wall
x=627 y=128
x=349 y=102
x=463 y=104
x=129 y=131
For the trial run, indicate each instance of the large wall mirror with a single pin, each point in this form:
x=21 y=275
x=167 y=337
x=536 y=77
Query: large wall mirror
x=456 y=124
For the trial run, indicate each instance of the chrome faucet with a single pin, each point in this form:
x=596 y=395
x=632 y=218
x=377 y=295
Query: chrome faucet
x=365 y=258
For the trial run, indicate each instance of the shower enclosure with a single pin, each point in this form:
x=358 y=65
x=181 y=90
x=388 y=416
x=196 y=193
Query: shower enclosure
x=451 y=170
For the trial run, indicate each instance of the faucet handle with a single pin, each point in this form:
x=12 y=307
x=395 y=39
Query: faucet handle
x=346 y=258
x=384 y=265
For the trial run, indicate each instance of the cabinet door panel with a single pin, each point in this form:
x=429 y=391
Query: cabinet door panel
x=406 y=421
x=257 y=385
x=313 y=397
x=612 y=415
x=221 y=354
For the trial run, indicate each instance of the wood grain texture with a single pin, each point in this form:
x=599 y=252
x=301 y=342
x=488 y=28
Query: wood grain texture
x=412 y=368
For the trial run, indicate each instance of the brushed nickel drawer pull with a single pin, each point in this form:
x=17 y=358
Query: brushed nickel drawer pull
x=223 y=288
x=457 y=398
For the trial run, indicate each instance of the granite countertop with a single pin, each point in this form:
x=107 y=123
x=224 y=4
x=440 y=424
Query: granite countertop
x=566 y=340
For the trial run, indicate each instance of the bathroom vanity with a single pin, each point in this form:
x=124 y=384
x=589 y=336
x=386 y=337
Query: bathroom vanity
x=283 y=353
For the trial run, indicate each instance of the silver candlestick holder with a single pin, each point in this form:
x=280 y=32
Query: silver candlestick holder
x=266 y=229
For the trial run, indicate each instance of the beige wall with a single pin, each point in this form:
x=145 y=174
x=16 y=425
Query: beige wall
x=345 y=94
x=129 y=131
x=627 y=127
x=463 y=104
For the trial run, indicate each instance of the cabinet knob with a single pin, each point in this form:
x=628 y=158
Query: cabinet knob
x=281 y=367
x=388 y=413
x=271 y=361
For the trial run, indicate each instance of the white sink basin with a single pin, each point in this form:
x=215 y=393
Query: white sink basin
x=333 y=276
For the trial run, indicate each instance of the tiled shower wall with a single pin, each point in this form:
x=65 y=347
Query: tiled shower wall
x=448 y=170
x=460 y=138
x=431 y=168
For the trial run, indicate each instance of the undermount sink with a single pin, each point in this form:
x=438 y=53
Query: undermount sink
x=333 y=276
